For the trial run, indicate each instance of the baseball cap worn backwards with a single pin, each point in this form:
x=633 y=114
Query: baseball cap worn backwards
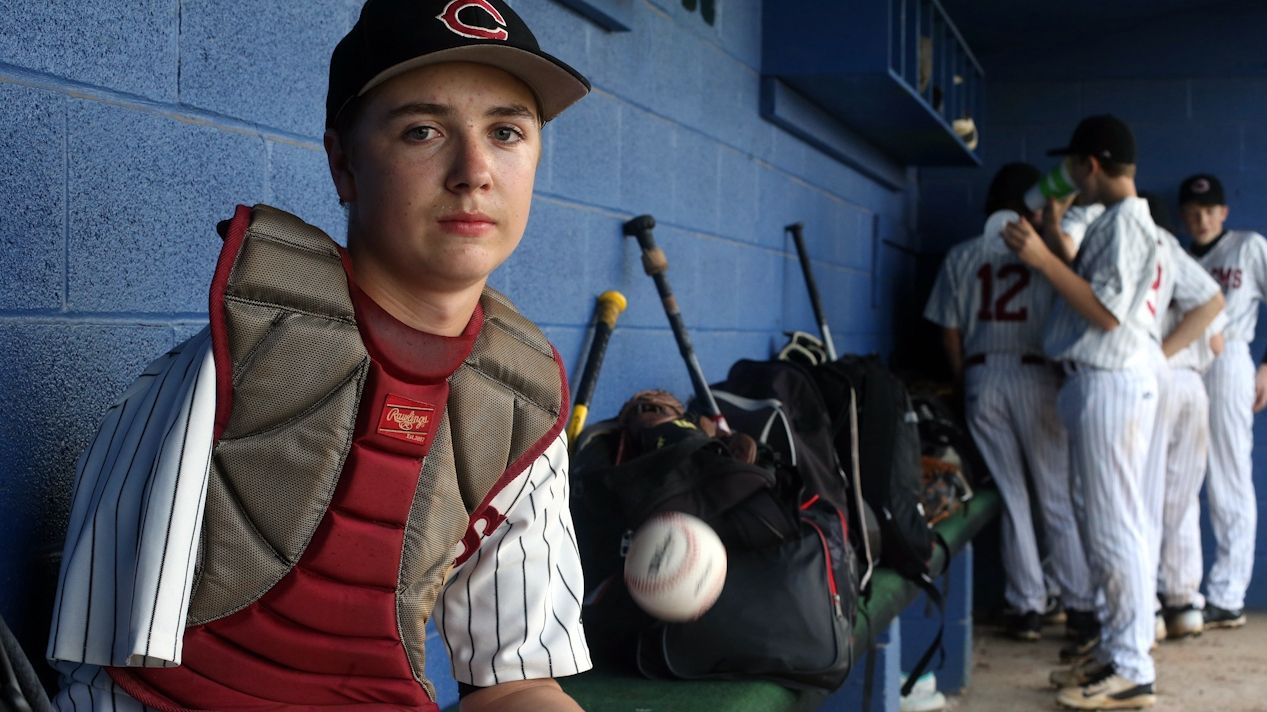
x=1104 y=136
x=392 y=37
x=1203 y=189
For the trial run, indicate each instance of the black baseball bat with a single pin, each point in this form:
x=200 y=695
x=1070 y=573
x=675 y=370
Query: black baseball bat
x=610 y=305
x=655 y=264
x=812 y=286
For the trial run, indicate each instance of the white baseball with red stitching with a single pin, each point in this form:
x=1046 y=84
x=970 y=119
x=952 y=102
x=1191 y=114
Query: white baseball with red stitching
x=676 y=567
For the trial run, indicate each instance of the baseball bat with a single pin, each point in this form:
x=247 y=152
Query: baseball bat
x=610 y=305
x=812 y=286
x=655 y=264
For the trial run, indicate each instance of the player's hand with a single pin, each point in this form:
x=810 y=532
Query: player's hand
x=1025 y=242
x=1217 y=343
x=1260 y=388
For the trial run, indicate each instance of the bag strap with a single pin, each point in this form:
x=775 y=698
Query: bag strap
x=925 y=584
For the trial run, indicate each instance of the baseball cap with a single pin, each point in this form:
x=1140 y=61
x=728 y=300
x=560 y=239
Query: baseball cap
x=1007 y=189
x=392 y=37
x=1201 y=188
x=1104 y=136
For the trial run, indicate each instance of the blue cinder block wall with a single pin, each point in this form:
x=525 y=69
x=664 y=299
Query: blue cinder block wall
x=129 y=127
x=1194 y=106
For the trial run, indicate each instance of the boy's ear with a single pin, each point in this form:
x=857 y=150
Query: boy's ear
x=340 y=166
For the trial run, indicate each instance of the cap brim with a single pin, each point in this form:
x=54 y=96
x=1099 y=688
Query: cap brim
x=556 y=85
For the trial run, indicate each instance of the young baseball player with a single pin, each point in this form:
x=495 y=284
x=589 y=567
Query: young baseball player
x=1100 y=331
x=1238 y=261
x=991 y=308
x=363 y=438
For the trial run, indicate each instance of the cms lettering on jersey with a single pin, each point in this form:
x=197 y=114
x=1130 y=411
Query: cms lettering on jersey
x=1227 y=277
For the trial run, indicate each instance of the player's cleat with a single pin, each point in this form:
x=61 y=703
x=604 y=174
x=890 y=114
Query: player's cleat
x=1108 y=691
x=1083 y=672
x=1080 y=625
x=1216 y=617
x=1027 y=626
x=1079 y=650
x=1183 y=621
x=1054 y=614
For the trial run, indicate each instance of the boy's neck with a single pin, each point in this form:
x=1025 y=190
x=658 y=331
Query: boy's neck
x=1115 y=190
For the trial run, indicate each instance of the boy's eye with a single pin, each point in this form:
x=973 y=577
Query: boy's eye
x=507 y=134
x=420 y=133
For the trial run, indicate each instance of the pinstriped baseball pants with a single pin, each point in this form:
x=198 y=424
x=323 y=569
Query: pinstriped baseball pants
x=1230 y=483
x=1109 y=415
x=1012 y=416
x=1154 y=477
x=1187 y=421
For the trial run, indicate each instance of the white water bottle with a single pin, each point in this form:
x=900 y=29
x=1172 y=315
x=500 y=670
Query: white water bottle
x=1055 y=184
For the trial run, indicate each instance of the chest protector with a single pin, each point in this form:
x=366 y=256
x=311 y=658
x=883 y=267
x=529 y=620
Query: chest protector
x=292 y=370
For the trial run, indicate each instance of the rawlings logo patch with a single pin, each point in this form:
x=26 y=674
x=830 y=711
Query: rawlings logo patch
x=455 y=24
x=405 y=419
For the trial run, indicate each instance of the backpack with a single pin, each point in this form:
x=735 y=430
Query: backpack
x=889 y=468
x=780 y=615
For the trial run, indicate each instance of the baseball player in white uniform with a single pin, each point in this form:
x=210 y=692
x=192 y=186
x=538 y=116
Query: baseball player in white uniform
x=1188 y=301
x=272 y=513
x=991 y=308
x=1100 y=330
x=1238 y=261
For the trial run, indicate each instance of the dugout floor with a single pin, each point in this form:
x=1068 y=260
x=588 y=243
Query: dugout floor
x=1220 y=671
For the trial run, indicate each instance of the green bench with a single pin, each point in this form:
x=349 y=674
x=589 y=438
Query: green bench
x=625 y=691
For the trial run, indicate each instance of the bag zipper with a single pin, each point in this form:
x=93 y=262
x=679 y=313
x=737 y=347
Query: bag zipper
x=831 y=575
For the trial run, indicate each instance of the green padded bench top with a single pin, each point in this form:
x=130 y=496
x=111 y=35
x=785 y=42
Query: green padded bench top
x=625 y=691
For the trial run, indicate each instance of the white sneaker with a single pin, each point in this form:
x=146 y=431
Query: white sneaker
x=924 y=696
x=925 y=685
x=1109 y=693
x=1183 y=622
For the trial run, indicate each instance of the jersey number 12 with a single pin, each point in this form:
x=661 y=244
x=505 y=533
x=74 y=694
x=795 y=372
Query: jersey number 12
x=1000 y=309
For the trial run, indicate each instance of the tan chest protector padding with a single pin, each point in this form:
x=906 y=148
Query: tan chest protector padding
x=299 y=367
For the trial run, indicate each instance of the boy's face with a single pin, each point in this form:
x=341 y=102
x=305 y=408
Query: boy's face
x=438 y=173
x=1203 y=222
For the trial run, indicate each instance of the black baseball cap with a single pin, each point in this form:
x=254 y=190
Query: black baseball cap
x=392 y=37
x=1202 y=188
x=1007 y=188
x=1105 y=136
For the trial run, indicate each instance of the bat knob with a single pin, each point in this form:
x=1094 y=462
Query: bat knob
x=638 y=225
x=794 y=227
x=610 y=304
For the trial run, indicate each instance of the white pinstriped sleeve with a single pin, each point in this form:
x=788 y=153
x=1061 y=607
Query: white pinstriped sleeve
x=513 y=610
x=123 y=591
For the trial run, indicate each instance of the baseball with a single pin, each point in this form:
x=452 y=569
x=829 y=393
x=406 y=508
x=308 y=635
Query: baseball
x=675 y=567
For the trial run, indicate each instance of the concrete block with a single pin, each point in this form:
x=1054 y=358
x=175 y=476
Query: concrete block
x=560 y=32
x=1228 y=99
x=60 y=379
x=1170 y=152
x=549 y=272
x=737 y=190
x=130 y=47
x=647 y=162
x=695 y=186
x=300 y=182
x=719 y=350
x=746 y=287
x=1022 y=103
x=33 y=231
x=789 y=153
x=640 y=359
x=1138 y=101
x=142 y=223
x=586 y=158
x=740 y=26
x=783 y=201
x=261 y=61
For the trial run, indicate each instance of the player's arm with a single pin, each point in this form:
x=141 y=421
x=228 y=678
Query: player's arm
x=1058 y=241
x=952 y=342
x=1260 y=388
x=1192 y=325
x=542 y=695
x=1033 y=251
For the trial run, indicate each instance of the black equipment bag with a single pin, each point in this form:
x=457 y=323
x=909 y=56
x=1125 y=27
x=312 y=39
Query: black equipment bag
x=791 y=563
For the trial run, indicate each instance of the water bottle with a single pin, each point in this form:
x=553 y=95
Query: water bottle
x=1055 y=184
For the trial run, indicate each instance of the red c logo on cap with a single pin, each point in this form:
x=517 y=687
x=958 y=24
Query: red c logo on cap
x=1200 y=185
x=450 y=19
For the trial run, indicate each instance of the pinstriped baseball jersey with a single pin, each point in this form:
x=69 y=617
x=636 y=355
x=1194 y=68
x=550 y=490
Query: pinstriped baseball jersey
x=989 y=295
x=1196 y=356
x=1077 y=219
x=1120 y=260
x=1185 y=285
x=1238 y=262
x=519 y=596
